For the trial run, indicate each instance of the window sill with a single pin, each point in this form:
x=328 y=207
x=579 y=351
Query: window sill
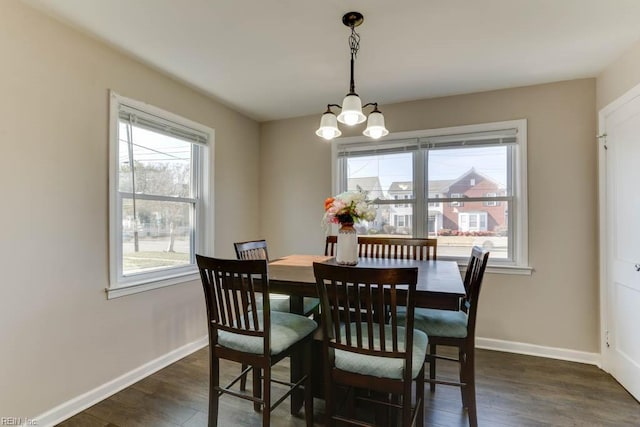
x=129 y=289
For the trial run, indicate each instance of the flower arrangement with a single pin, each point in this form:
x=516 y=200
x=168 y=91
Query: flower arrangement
x=348 y=207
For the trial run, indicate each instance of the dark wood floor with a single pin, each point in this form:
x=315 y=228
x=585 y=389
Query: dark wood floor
x=513 y=390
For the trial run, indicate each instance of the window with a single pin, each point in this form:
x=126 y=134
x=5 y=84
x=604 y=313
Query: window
x=491 y=202
x=159 y=197
x=468 y=187
x=456 y=196
x=403 y=221
x=402 y=197
x=472 y=221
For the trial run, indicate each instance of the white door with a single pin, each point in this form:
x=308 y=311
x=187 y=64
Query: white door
x=620 y=237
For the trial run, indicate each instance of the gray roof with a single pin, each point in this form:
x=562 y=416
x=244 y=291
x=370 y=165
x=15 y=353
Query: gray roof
x=367 y=183
x=436 y=186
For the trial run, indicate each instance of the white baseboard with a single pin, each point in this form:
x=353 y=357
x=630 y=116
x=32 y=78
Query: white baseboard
x=90 y=398
x=541 y=351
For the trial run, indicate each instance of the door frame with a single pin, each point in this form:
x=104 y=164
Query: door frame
x=613 y=106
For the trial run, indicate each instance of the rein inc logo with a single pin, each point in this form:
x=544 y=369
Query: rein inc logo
x=18 y=421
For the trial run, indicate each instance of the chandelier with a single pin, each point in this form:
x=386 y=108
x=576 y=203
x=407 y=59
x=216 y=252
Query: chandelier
x=351 y=108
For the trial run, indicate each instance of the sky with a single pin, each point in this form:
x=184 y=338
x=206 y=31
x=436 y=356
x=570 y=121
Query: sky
x=443 y=164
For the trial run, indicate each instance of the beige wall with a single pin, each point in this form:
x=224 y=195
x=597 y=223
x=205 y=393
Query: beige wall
x=557 y=306
x=618 y=77
x=60 y=337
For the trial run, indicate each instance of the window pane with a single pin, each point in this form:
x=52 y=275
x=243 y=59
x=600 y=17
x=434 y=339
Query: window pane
x=385 y=177
x=470 y=172
x=388 y=176
x=391 y=220
x=162 y=163
x=164 y=235
x=465 y=173
x=461 y=228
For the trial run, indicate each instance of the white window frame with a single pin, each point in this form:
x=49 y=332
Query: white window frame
x=518 y=209
x=492 y=202
x=457 y=204
x=119 y=284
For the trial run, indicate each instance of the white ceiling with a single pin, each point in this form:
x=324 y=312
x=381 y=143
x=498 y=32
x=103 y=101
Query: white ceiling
x=273 y=59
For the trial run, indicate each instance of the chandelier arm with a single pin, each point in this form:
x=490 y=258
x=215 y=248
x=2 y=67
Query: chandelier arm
x=369 y=104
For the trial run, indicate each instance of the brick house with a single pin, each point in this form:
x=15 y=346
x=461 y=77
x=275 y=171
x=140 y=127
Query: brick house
x=490 y=216
x=474 y=216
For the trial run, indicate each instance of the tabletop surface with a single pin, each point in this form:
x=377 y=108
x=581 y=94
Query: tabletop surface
x=434 y=276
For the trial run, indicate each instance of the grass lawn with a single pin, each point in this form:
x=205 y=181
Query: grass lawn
x=144 y=260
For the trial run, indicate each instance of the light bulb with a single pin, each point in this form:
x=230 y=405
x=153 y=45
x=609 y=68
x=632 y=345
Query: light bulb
x=375 y=133
x=350 y=119
x=328 y=134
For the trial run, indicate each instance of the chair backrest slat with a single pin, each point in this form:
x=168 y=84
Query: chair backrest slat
x=389 y=247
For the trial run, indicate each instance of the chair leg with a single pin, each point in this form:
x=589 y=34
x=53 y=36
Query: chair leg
x=329 y=407
x=383 y=414
x=406 y=405
x=397 y=399
x=420 y=399
x=471 y=387
x=257 y=387
x=266 y=397
x=432 y=367
x=308 y=386
x=243 y=380
x=350 y=400
x=214 y=382
x=463 y=376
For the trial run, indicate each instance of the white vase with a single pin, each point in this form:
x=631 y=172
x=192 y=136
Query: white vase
x=347 y=253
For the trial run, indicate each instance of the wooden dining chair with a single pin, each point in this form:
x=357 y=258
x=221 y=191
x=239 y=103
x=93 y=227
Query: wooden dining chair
x=360 y=353
x=389 y=247
x=257 y=338
x=257 y=250
x=331 y=245
x=457 y=329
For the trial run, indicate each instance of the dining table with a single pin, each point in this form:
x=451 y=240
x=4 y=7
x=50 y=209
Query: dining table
x=439 y=286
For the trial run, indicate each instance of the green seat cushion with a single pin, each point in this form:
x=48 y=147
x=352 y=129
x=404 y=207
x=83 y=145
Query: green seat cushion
x=286 y=330
x=440 y=323
x=383 y=367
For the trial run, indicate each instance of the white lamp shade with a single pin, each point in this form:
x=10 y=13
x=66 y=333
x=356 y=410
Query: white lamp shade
x=375 y=126
x=351 y=113
x=328 y=127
